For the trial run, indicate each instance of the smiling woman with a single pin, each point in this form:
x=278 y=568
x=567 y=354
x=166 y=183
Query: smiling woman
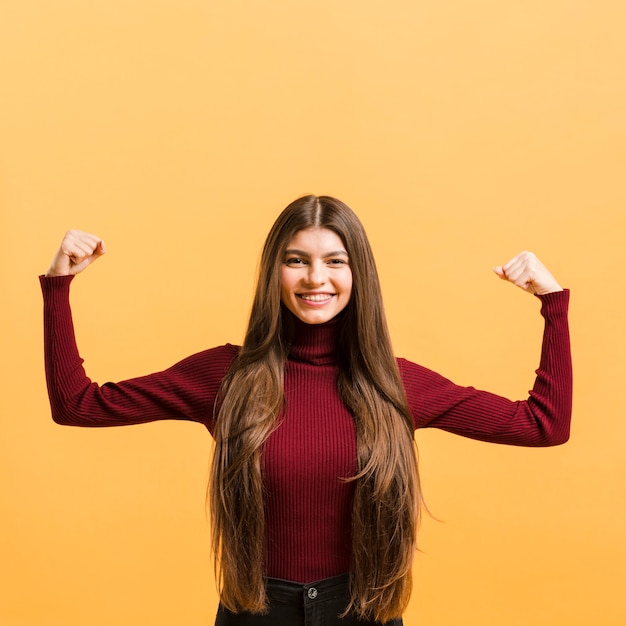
x=314 y=491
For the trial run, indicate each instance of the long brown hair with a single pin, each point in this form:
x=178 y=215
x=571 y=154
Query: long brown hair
x=387 y=493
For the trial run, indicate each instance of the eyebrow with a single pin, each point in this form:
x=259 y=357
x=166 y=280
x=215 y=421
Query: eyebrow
x=326 y=255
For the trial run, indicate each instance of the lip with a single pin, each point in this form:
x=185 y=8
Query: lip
x=320 y=298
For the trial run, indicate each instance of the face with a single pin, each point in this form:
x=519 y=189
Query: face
x=316 y=279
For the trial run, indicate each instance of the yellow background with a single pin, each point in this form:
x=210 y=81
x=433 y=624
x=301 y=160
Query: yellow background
x=460 y=132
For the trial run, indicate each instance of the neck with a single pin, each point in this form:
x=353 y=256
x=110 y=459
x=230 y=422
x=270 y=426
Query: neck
x=313 y=343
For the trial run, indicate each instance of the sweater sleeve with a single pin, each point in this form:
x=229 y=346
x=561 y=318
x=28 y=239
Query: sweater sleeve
x=543 y=419
x=186 y=391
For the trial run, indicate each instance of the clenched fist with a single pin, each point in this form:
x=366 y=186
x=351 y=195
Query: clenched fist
x=78 y=250
x=527 y=272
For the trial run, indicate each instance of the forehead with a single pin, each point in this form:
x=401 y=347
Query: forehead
x=316 y=240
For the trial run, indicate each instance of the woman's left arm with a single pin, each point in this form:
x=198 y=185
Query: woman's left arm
x=543 y=419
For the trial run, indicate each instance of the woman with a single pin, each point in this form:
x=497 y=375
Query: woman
x=315 y=493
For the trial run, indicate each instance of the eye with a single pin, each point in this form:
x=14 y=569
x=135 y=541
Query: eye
x=294 y=261
x=337 y=262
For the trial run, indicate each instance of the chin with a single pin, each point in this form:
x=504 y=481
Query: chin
x=316 y=319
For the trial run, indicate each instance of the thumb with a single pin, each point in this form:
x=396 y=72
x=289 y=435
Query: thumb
x=499 y=271
x=100 y=250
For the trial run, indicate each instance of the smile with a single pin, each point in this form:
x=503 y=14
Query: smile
x=315 y=297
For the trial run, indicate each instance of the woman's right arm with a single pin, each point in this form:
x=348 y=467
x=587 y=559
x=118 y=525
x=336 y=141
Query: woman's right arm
x=186 y=390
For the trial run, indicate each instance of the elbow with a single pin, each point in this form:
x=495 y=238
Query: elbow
x=61 y=418
x=559 y=439
x=64 y=415
x=558 y=436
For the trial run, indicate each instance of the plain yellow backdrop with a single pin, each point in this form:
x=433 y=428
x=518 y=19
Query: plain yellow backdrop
x=177 y=130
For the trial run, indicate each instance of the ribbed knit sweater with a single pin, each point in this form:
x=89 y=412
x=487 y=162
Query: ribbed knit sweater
x=308 y=506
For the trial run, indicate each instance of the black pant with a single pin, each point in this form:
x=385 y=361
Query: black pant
x=292 y=604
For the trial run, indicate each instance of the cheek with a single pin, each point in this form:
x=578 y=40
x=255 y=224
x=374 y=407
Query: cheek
x=285 y=285
x=349 y=284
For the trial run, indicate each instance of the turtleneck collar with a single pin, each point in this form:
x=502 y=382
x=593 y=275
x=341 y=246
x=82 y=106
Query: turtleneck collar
x=314 y=343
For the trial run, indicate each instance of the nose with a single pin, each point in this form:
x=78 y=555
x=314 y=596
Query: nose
x=317 y=273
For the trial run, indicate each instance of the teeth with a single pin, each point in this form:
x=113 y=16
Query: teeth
x=316 y=298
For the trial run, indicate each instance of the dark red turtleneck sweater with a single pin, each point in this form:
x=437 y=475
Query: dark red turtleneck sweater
x=308 y=506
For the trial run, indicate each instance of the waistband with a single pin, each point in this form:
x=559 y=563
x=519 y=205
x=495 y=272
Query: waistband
x=289 y=592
